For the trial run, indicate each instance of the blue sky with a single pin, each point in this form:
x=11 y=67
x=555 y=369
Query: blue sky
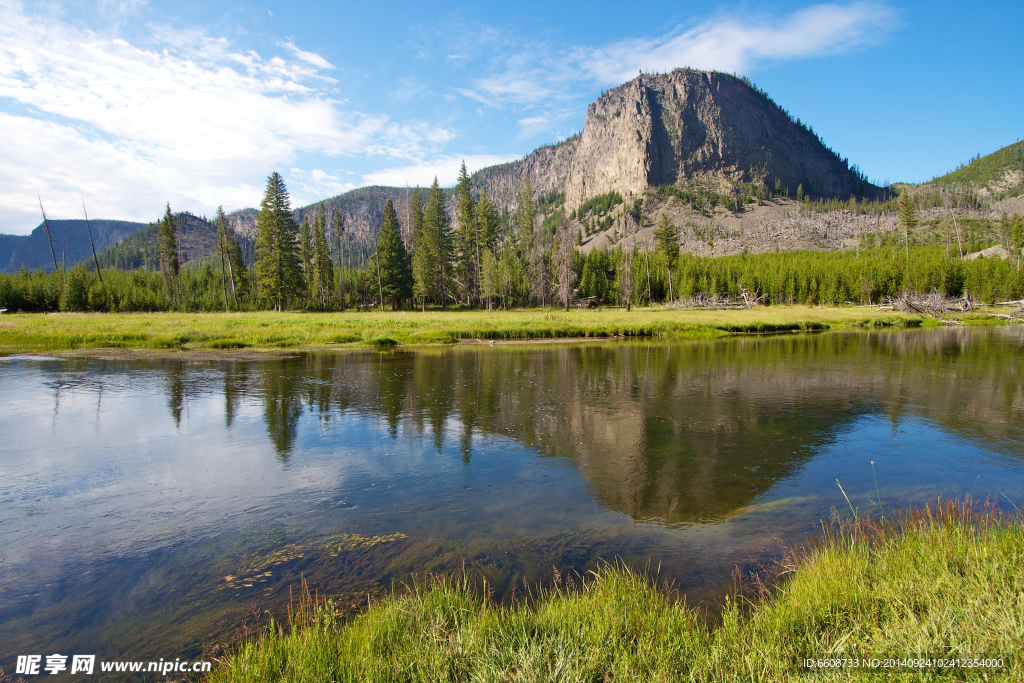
x=132 y=104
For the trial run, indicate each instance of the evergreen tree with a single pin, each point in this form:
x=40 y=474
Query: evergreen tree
x=339 y=233
x=467 y=243
x=278 y=270
x=392 y=261
x=624 y=270
x=415 y=218
x=1017 y=237
x=169 y=264
x=490 y=278
x=306 y=258
x=667 y=238
x=221 y=221
x=906 y=209
x=487 y=222
x=432 y=265
x=323 y=269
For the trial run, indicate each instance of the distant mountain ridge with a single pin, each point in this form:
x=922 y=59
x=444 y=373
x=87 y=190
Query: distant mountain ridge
x=70 y=242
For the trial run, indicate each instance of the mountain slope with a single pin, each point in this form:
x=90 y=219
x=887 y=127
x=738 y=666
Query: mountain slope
x=70 y=240
x=1001 y=172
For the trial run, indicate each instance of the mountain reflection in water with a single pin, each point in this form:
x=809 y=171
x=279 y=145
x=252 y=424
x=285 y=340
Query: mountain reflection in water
x=134 y=488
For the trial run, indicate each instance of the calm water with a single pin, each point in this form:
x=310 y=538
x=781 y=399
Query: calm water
x=154 y=508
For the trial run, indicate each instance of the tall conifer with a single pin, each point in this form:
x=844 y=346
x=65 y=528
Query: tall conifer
x=392 y=259
x=306 y=258
x=416 y=218
x=278 y=272
x=339 y=231
x=323 y=269
x=487 y=223
x=467 y=244
x=168 y=243
x=667 y=238
x=435 y=259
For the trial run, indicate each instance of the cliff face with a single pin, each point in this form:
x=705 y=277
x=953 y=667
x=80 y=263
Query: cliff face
x=694 y=125
x=547 y=167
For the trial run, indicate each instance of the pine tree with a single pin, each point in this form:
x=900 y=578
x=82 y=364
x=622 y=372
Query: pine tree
x=667 y=239
x=278 y=271
x=490 y=278
x=415 y=218
x=487 y=223
x=432 y=265
x=392 y=260
x=306 y=258
x=906 y=209
x=424 y=261
x=221 y=221
x=467 y=243
x=339 y=233
x=323 y=269
x=168 y=243
x=1017 y=237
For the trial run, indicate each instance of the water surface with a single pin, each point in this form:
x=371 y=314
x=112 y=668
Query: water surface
x=155 y=508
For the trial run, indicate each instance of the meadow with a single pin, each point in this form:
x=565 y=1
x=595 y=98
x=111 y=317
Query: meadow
x=292 y=329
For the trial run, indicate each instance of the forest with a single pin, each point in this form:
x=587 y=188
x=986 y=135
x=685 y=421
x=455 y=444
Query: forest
x=485 y=260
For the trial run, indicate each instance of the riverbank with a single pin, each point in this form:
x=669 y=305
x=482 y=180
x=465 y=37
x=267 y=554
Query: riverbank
x=266 y=330
x=946 y=579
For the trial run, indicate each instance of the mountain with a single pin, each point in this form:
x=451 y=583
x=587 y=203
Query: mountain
x=1001 y=173
x=197 y=238
x=664 y=142
x=8 y=244
x=686 y=126
x=70 y=242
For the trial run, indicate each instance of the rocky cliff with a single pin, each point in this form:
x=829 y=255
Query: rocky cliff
x=686 y=126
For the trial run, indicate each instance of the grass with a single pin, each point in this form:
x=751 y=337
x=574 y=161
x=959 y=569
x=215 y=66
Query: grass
x=944 y=579
x=267 y=329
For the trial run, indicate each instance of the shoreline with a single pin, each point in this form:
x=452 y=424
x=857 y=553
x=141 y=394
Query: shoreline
x=932 y=582
x=260 y=334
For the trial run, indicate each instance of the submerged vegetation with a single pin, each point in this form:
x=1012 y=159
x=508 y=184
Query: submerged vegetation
x=943 y=580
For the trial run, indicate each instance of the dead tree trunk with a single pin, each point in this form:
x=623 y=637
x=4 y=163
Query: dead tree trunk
x=95 y=258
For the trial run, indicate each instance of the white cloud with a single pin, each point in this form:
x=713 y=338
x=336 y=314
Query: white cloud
x=315 y=184
x=309 y=57
x=541 y=74
x=445 y=168
x=196 y=123
x=733 y=44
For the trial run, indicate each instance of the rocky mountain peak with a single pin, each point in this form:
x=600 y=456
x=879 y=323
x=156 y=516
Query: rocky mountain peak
x=699 y=126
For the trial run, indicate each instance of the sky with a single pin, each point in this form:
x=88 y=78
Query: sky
x=128 y=105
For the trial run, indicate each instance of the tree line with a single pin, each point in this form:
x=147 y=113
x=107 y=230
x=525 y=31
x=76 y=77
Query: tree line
x=477 y=260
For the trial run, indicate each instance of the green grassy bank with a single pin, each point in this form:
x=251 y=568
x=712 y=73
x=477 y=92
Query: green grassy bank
x=943 y=579
x=268 y=329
